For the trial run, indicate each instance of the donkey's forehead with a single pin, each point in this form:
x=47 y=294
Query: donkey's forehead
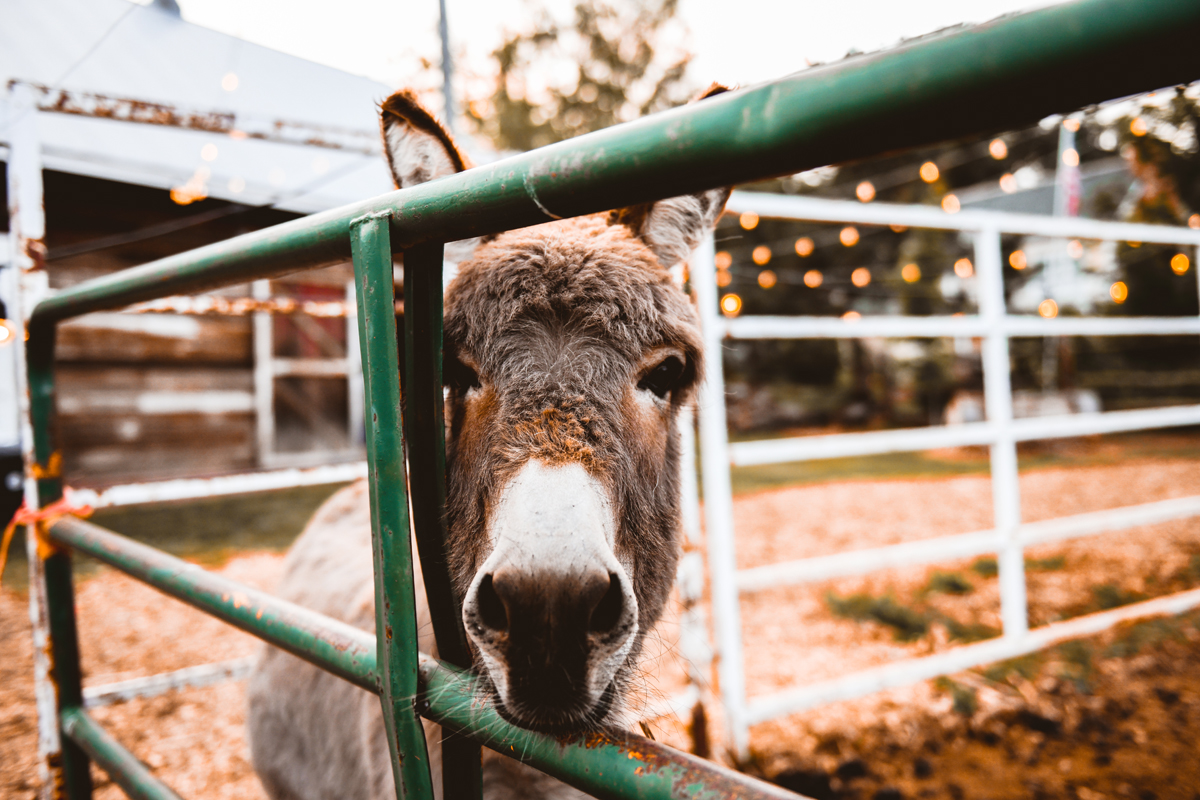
x=579 y=275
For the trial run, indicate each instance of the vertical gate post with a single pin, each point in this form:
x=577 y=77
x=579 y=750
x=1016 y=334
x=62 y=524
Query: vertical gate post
x=718 y=508
x=395 y=599
x=425 y=443
x=997 y=390
x=63 y=766
x=264 y=376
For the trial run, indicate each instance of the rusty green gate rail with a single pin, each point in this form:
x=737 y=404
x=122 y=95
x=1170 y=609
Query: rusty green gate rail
x=1011 y=71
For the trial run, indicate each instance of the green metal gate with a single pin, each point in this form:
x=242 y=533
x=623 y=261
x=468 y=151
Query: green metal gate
x=1012 y=71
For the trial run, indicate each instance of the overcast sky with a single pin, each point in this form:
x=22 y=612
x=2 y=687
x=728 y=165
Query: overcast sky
x=733 y=41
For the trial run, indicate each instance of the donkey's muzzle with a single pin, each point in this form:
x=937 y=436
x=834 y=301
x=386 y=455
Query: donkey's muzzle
x=552 y=611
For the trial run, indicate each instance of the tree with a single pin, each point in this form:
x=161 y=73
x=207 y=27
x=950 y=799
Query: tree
x=615 y=61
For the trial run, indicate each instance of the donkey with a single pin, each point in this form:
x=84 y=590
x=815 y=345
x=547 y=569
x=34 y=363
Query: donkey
x=568 y=354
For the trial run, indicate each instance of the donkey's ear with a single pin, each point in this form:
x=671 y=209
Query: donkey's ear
x=418 y=148
x=674 y=227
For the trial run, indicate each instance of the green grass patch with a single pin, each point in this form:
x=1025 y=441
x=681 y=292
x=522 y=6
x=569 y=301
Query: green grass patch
x=986 y=567
x=1045 y=564
x=966 y=699
x=1132 y=639
x=1026 y=667
x=949 y=583
x=907 y=622
x=1109 y=595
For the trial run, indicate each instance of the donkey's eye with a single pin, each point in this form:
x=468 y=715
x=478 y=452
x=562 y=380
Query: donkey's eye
x=664 y=377
x=459 y=376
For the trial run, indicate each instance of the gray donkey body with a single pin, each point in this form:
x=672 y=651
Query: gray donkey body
x=568 y=353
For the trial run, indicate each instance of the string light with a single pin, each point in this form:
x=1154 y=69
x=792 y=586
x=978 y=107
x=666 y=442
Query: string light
x=761 y=255
x=848 y=236
x=898 y=228
x=998 y=149
x=1048 y=309
x=860 y=277
x=804 y=247
x=911 y=273
x=1134 y=244
x=731 y=305
x=1071 y=124
x=724 y=278
x=1119 y=292
x=865 y=191
x=1008 y=183
x=1070 y=157
x=950 y=204
x=723 y=260
x=1194 y=221
x=748 y=220
x=963 y=268
x=1017 y=261
x=1179 y=263
x=1075 y=249
x=6 y=334
x=767 y=279
x=852 y=316
x=813 y=278
x=1138 y=127
x=929 y=172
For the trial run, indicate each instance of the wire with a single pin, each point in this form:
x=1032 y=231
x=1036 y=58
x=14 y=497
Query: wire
x=163 y=228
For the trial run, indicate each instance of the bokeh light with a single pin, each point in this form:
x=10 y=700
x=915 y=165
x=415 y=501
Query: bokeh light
x=748 y=220
x=848 y=236
x=998 y=149
x=963 y=268
x=860 y=277
x=929 y=172
x=724 y=278
x=731 y=305
x=813 y=278
x=950 y=204
x=865 y=191
x=1179 y=263
x=1017 y=260
x=911 y=273
x=1119 y=292
x=761 y=254
x=723 y=260
x=1075 y=249
x=1008 y=183
x=1138 y=127
x=804 y=246
x=852 y=316
x=1070 y=157
x=1048 y=309
x=767 y=279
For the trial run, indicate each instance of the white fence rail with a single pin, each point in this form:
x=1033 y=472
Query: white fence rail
x=1000 y=433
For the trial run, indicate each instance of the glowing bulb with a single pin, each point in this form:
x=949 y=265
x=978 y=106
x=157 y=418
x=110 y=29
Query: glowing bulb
x=963 y=268
x=1138 y=127
x=1071 y=124
x=865 y=191
x=852 y=316
x=929 y=172
x=998 y=149
x=1194 y=221
x=209 y=152
x=1017 y=261
x=1075 y=249
x=1048 y=309
x=911 y=273
x=804 y=246
x=848 y=236
x=761 y=254
x=813 y=278
x=748 y=220
x=229 y=82
x=1179 y=263
x=1119 y=292
x=723 y=260
x=1070 y=157
x=767 y=279
x=6 y=334
x=731 y=305
x=724 y=278
x=1134 y=244
x=950 y=204
x=1008 y=183
x=860 y=277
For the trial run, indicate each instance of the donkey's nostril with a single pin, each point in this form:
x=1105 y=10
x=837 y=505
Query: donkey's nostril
x=491 y=608
x=607 y=612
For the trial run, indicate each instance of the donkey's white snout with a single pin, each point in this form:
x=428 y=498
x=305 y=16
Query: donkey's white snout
x=552 y=599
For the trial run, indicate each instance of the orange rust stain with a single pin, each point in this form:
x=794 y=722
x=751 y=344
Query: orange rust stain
x=240 y=600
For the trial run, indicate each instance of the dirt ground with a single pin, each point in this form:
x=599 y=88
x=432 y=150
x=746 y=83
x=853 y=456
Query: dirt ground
x=1115 y=715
